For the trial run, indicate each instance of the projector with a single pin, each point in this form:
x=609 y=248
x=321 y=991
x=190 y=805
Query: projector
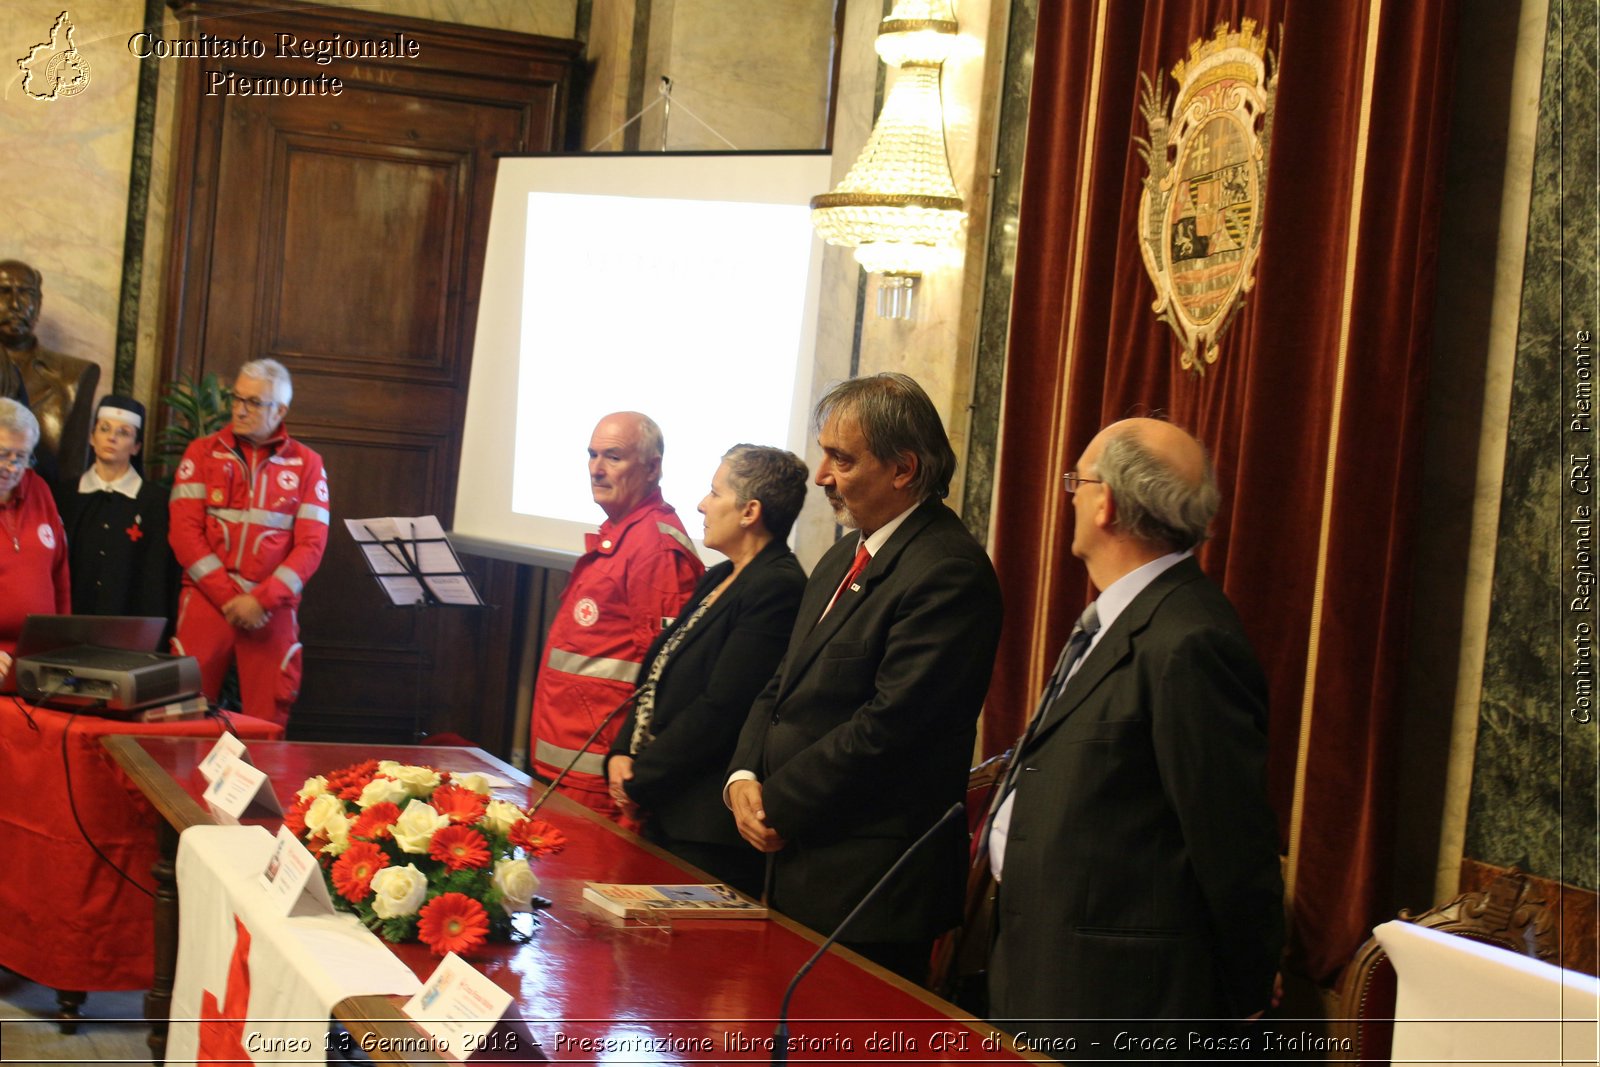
x=117 y=680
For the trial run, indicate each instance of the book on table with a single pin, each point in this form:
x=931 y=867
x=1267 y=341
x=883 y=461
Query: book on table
x=706 y=901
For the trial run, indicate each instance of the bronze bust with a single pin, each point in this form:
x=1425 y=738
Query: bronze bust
x=58 y=388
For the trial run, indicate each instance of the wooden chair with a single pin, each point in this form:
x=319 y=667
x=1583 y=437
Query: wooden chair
x=1507 y=914
x=960 y=957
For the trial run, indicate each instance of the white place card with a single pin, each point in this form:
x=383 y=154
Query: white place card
x=227 y=748
x=292 y=879
x=459 y=1007
x=239 y=790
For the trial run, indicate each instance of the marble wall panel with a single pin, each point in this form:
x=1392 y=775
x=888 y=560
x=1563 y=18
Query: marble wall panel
x=744 y=75
x=610 y=52
x=1533 y=794
x=552 y=18
x=66 y=183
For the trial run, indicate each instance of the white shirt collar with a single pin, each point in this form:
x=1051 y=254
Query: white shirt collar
x=881 y=535
x=1120 y=593
x=128 y=485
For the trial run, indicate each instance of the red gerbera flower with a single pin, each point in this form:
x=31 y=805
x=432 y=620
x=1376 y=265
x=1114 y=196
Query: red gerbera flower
x=295 y=817
x=348 y=782
x=452 y=922
x=537 y=837
x=463 y=805
x=376 y=821
x=352 y=873
x=459 y=848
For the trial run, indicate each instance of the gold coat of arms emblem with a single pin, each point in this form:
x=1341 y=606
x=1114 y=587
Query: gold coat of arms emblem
x=1201 y=209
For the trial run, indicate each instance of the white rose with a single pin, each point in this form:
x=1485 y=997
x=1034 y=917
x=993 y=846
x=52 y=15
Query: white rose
x=398 y=891
x=476 y=782
x=337 y=830
x=381 y=790
x=501 y=815
x=416 y=827
x=516 y=881
x=314 y=787
x=325 y=807
x=419 y=781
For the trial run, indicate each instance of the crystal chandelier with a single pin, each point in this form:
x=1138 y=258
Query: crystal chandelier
x=898 y=207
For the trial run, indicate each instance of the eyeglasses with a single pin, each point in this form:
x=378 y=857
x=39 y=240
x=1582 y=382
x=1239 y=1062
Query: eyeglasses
x=16 y=460
x=254 y=403
x=1072 y=480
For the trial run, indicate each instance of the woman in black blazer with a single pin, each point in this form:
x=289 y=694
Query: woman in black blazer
x=670 y=759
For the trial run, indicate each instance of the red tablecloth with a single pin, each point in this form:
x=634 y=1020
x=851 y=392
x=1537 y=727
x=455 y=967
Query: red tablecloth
x=71 y=921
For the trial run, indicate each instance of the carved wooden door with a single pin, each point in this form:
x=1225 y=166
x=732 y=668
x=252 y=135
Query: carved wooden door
x=344 y=236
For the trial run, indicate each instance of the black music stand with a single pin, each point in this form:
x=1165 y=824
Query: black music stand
x=415 y=565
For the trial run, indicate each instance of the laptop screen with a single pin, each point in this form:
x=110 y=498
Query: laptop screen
x=127 y=633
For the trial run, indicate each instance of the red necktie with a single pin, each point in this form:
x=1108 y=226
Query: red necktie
x=859 y=564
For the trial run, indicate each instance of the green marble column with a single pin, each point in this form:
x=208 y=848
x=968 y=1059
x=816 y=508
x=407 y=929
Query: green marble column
x=1533 y=799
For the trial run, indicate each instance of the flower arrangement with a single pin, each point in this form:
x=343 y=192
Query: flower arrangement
x=422 y=854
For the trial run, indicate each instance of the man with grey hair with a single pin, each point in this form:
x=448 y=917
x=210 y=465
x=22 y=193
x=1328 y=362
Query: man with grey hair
x=1135 y=853
x=625 y=589
x=248 y=524
x=862 y=740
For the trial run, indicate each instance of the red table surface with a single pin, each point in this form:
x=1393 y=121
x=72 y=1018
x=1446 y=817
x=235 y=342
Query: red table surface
x=71 y=921
x=590 y=987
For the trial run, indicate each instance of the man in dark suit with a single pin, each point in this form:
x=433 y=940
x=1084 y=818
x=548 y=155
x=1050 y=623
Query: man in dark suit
x=862 y=739
x=1136 y=855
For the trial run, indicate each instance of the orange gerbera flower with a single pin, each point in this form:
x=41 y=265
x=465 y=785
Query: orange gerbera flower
x=376 y=821
x=463 y=805
x=459 y=848
x=537 y=837
x=353 y=871
x=452 y=922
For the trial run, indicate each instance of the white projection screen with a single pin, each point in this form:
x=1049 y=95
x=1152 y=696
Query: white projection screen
x=683 y=285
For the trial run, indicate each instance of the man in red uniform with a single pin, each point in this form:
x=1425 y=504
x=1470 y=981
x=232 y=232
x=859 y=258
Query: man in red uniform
x=249 y=522
x=635 y=575
x=33 y=546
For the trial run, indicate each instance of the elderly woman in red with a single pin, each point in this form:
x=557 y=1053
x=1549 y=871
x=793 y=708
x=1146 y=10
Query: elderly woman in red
x=33 y=547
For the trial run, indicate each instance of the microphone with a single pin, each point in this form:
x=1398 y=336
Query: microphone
x=584 y=748
x=780 y=1036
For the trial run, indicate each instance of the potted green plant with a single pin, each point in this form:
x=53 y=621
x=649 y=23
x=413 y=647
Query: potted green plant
x=194 y=409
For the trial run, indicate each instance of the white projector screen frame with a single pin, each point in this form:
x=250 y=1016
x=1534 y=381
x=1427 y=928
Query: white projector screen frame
x=686 y=310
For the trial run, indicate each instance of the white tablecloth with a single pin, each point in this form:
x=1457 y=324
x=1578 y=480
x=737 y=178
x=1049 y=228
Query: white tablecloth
x=1462 y=1002
x=272 y=1002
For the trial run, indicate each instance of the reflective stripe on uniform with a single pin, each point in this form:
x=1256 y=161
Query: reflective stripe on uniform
x=204 y=566
x=188 y=491
x=555 y=756
x=241 y=581
x=273 y=520
x=314 y=513
x=615 y=670
x=678 y=536
x=290 y=579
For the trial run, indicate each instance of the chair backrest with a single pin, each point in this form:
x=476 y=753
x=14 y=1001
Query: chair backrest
x=959 y=957
x=1508 y=914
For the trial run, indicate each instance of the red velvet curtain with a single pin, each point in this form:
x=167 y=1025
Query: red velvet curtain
x=1312 y=412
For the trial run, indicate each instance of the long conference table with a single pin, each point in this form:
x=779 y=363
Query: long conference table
x=591 y=988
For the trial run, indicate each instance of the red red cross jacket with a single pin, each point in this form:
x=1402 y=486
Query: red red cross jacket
x=249 y=518
x=636 y=573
